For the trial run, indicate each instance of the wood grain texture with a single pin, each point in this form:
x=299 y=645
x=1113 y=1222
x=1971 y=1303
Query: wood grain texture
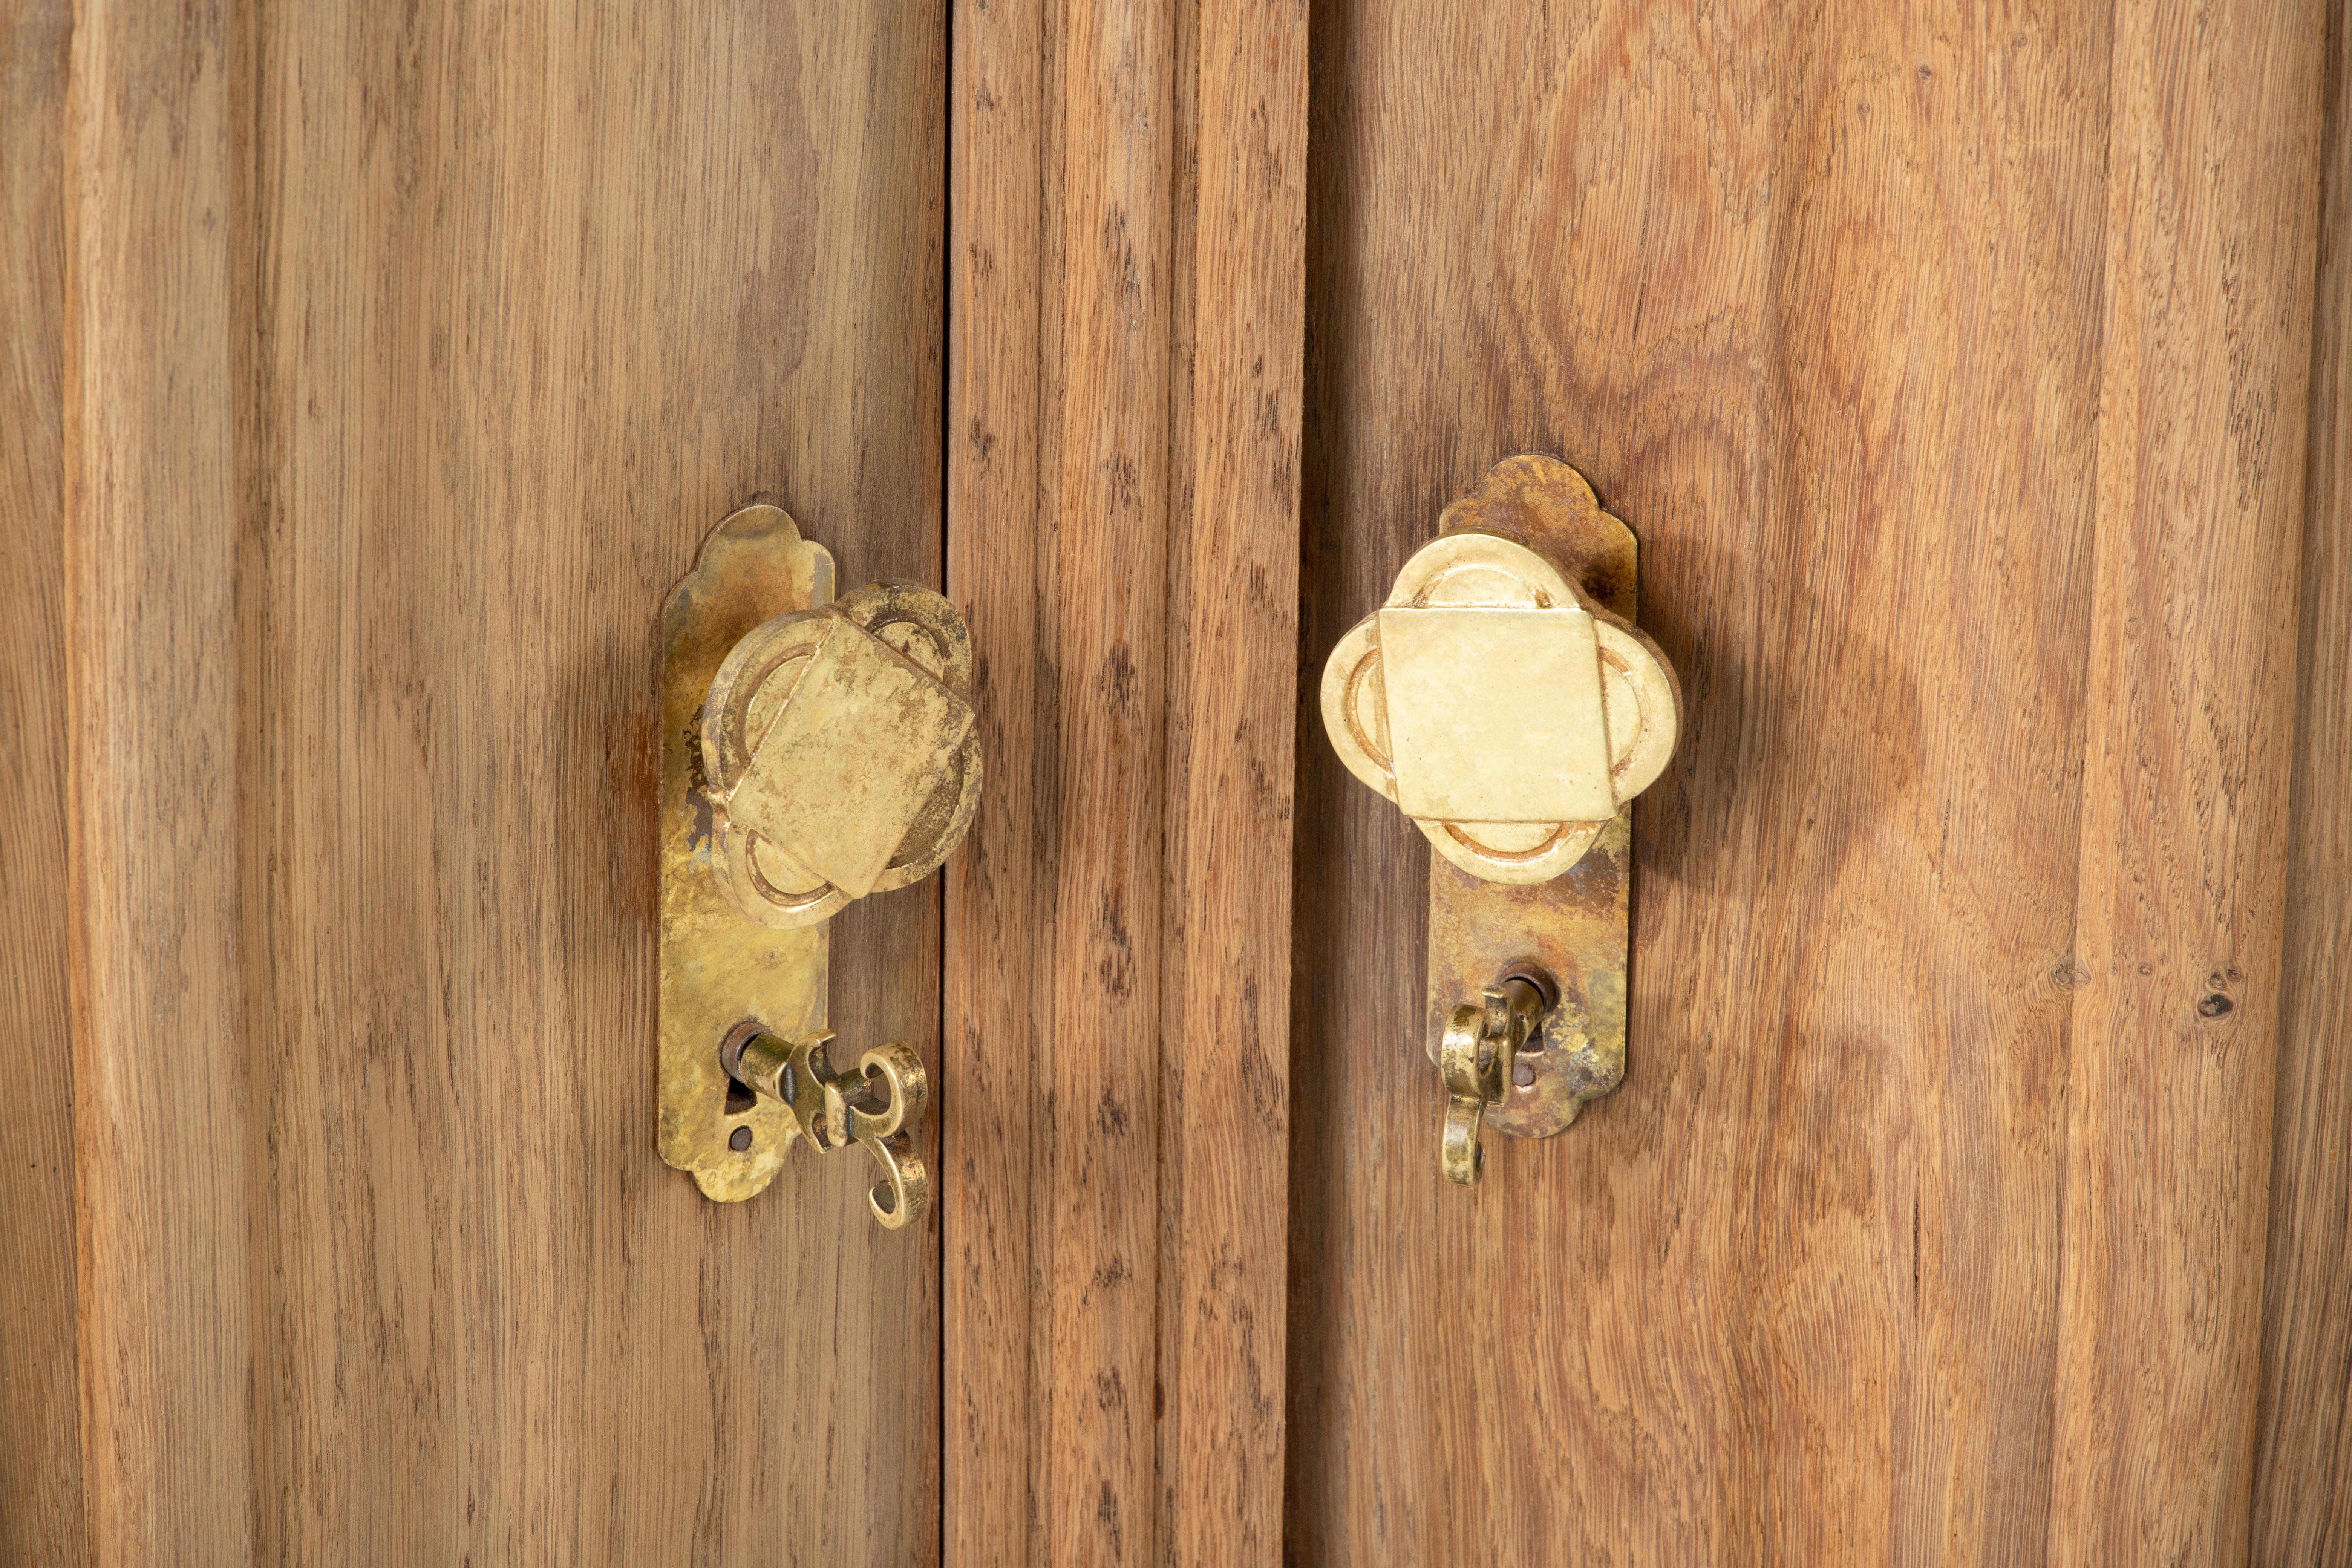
x=40 y=1447
x=1819 y=296
x=1103 y=452
x=1122 y=536
x=2212 y=217
x=418 y=348
x=997 y=975
x=153 y=374
x=2303 y=1457
x=1225 y=1051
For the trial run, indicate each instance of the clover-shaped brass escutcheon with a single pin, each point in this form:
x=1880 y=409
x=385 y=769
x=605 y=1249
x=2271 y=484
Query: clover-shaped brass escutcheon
x=1507 y=717
x=838 y=745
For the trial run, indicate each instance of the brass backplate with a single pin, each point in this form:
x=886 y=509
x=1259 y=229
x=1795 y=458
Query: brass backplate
x=722 y=973
x=1577 y=927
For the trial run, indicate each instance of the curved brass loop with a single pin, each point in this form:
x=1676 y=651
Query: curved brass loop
x=1475 y=1059
x=872 y=1107
x=1459 y=1153
x=1458 y=1053
x=895 y=1090
x=905 y=1193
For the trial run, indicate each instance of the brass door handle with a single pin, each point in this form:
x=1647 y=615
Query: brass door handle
x=837 y=745
x=1501 y=697
x=815 y=750
x=1506 y=716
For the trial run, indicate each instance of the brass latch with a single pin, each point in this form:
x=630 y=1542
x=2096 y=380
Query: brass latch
x=1501 y=697
x=871 y=1108
x=1477 y=1059
x=813 y=751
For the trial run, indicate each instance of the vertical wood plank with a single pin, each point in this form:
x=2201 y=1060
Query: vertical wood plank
x=551 y=291
x=1000 y=885
x=40 y=1438
x=2303 y=1461
x=1106 y=451
x=2213 y=142
x=1226 y=1056
x=418 y=349
x=1122 y=533
x=154 y=500
x=1813 y=294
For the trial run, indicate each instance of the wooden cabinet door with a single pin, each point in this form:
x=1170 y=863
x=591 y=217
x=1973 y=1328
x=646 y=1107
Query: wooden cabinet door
x=1976 y=1190
x=1973 y=381
x=381 y=369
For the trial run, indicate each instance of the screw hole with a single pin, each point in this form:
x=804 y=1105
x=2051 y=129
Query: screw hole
x=739 y=1140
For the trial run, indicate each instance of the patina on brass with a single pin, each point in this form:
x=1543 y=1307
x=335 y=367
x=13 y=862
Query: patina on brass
x=812 y=752
x=1476 y=1058
x=1504 y=699
x=871 y=1108
x=719 y=969
x=838 y=747
x=1575 y=929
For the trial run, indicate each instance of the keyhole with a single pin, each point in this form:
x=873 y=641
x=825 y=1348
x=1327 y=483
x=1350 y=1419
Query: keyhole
x=740 y=1098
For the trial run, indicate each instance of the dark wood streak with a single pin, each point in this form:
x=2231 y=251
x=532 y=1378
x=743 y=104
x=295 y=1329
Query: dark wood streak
x=2303 y=1463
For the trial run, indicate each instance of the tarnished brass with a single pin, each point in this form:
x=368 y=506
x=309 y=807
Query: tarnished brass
x=1503 y=698
x=1476 y=1058
x=719 y=969
x=1573 y=928
x=871 y=1107
x=813 y=752
x=838 y=749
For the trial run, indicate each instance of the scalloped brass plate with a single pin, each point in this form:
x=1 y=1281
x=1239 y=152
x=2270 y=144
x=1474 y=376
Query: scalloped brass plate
x=723 y=973
x=1576 y=926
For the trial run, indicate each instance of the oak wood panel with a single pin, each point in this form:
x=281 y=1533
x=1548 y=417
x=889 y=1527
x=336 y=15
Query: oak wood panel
x=40 y=1447
x=1104 y=457
x=2303 y=1458
x=1817 y=296
x=419 y=349
x=155 y=496
x=1103 y=454
x=996 y=972
x=2211 y=216
x=1225 y=1049
x=1123 y=525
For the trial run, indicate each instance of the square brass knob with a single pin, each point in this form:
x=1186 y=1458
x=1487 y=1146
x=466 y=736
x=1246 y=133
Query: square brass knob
x=1506 y=716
